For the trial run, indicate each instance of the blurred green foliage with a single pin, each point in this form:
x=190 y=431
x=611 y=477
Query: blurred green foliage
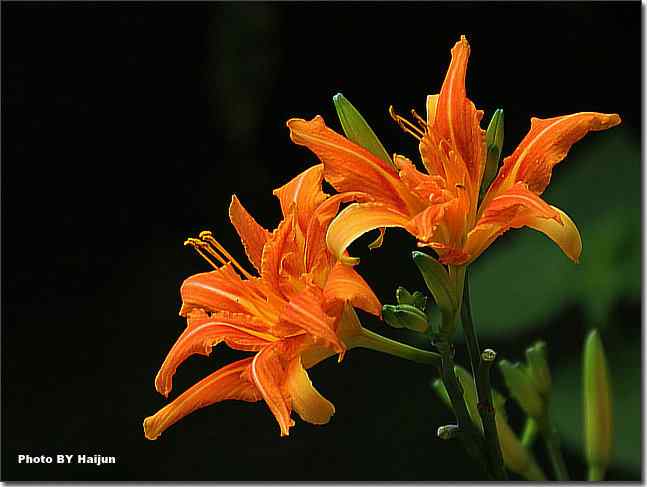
x=599 y=187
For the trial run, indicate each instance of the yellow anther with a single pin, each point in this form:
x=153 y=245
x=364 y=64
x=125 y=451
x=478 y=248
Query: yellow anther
x=421 y=121
x=405 y=125
x=207 y=236
x=196 y=244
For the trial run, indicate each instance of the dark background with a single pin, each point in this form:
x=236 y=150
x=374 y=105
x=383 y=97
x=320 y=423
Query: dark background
x=127 y=127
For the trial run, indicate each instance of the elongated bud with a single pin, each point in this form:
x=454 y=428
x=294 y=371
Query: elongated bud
x=416 y=299
x=405 y=316
x=494 y=145
x=538 y=367
x=516 y=457
x=439 y=388
x=437 y=280
x=598 y=427
x=522 y=388
x=357 y=129
x=469 y=394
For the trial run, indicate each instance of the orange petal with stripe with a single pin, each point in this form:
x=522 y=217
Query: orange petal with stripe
x=546 y=144
x=229 y=382
x=566 y=235
x=357 y=219
x=517 y=207
x=304 y=192
x=349 y=167
x=305 y=310
x=456 y=118
x=306 y=400
x=240 y=332
x=219 y=290
x=251 y=233
x=268 y=375
x=346 y=285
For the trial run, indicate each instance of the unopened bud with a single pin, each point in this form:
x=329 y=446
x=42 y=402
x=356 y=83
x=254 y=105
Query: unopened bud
x=522 y=388
x=538 y=367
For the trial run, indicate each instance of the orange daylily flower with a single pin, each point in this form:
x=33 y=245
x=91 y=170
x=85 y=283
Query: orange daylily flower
x=295 y=314
x=441 y=207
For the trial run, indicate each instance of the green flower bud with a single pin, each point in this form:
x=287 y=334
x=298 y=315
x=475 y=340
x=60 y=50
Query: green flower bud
x=598 y=427
x=494 y=145
x=515 y=456
x=416 y=299
x=437 y=280
x=405 y=316
x=439 y=388
x=522 y=388
x=538 y=367
x=469 y=394
x=357 y=129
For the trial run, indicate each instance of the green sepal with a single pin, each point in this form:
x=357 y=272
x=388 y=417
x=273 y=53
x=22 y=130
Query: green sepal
x=405 y=316
x=522 y=388
x=494 y=145
x=538 y=369
x=437 y=280
x=598 y=425
x=357 y=129
x=416 y=299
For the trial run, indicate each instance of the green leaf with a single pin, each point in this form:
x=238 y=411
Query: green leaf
x=357 y=129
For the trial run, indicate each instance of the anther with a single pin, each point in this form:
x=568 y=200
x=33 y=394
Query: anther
x=207 y=236
x=196 y=244
x=405 y=125
x=421 y=121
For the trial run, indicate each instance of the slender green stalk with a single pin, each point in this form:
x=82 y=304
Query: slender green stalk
x=595 y=473
x=529 y=433
x=481 y=364
x=552 y=443
x=373 y=341
x=470 y=437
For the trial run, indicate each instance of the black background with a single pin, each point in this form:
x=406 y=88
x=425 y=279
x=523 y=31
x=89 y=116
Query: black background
x=127 y=127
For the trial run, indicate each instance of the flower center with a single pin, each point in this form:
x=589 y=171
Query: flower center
x=418 y=131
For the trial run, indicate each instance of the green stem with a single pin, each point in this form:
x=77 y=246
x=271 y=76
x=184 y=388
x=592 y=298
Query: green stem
x=596 y=473
x=469 y=435
x=373 y=341
x=551 y=440
x=529 y=433
x=481 y=364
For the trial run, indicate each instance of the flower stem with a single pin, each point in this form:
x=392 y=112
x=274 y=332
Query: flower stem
x=373 y=341
x=481 y=364
x=529 y=433
x=551 y=440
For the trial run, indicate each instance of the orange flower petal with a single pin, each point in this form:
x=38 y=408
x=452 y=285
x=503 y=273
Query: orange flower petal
x=306 y=400
x=305 y=310
x=515 y=208
x=241 y=332
x=251 y=233
x=430 y=189
x=456 y=119
x=304 y=191
x=546 y=144
x=269 y=376
x=219 y=290
x=357 y=219
x=565 y=235
x=281 y=243
x=346 y=285
x=349 y=167
x=229 y=382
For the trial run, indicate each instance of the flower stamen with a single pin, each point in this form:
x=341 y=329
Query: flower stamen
x=405 y=125
x=197 y=244
x=207 y=238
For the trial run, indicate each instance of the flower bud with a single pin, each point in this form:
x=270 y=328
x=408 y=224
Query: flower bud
x=448 y=431
x=494 y=145
x=522 y=388
x=416 y=299
x=538 y=367
x=357 y=129
x=405 y=316
x=515 y=456
x=597 y=407
x=437 y=281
